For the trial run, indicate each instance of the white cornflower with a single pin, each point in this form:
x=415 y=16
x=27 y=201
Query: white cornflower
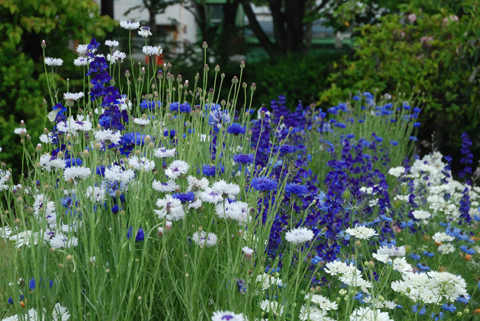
x=236 y=210
x=63 y=241
x=227 y=315
x=268 y=280
x=196 y=204
x=152 y=51
x=129 y=25
x=111 y=43
x=313 y=314
x=53 y=61
x=23 y=238
x=125 y=104
x=20 y=131
x=440 y=237
x=171 y=208
x=228 y=190
x=384 y=258
x=4 y=177
x=267 y=306
x=449 y=285
x=116 y=56
x=203 y=239
x=367 y=314
x=248 y=251
x=176 y=169
x=392 y=250
x=421 y=214
x=144 y=31
x=108 y=137
x=141 y=121
x=72 y=126
x=1 y=149
x=80 y=61
x=299 y=235
x=143 y=164
x=163 y=152
x=95 y=193
x=42 y=204
x=46 y=139
x=361 y=232
x=116 y=173
x=82 y=49
x=60 y=313
x=73 y=96
x=5 y=232
x=168 y=187
x=396 y=171
x=401 y=265
x=209 y=196
x=195 y=184
x=323 y=302
x=50 y=163
x=446 y=248
x=76 y=173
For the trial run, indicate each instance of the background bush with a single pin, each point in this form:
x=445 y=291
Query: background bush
x=423 y=51
x=24 y=24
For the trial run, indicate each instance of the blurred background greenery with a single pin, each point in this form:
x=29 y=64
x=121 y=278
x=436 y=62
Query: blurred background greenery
x=319 y=52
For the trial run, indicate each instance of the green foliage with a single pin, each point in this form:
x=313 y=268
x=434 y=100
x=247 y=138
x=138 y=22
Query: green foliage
x=23 y=25
x=398 y=57
x=298 y=78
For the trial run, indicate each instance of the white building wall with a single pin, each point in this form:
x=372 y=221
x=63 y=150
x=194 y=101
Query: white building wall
x=176 y=14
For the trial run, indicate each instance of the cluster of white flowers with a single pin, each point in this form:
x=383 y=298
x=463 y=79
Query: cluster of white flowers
x=361 y=232
x=116 y=56
x=432 y=287
x=349 y=274
x=204 y=238
x=108 y=137
x=59 y=313
x=73 y=96
x=299 y=235
x=53 y=61
x=71 y=125
x=129 y=25
x=152 y=50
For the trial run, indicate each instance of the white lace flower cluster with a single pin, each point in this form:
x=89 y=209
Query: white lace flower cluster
x=431 y=287
x=349 y=274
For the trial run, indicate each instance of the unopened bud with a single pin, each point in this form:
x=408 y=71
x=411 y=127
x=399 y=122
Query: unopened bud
x=97 y=147
x=358 y=244
x=371 y=264
x=38 y=149
x=85 y=154
x=204 y=45
x=242 y=64
x=69 y=259
x=70 y=182
x=60 y=155
x=127 y=74
x=346 y=194
x=17 y=222
x=44 y=44
x=253 y=87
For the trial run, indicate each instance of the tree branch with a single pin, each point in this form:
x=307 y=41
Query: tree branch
x=262 y=37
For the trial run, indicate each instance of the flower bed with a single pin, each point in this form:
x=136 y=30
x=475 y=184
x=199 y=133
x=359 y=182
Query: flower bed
x=160 y=201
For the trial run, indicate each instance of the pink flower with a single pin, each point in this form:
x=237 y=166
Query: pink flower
x=412 y=17
x=426 y=39
x=451 y=18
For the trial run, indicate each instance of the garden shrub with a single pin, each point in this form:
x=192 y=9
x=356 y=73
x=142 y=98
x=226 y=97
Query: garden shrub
x=429 y=51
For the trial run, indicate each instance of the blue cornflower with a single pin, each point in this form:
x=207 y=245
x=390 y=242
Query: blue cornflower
x=356 y=98
x=449 y=307
x=183 y=108
x=429 y=254
x=417 y=110
x=465 y=249
x=415 y=256
x=243 y=159
x=367 y=156
x=359 y=297
x=148 y=104
x=184 y=197
x=140 y=234
x=341 y=125
x=463 y=299
x=422 y=310
x=73 y=162
x=287 y=149
x=423 y=267
x=379 y=139
x=10 y=301
x=394 y=142
x=413 y=138
x=263 y=184
x=236 y=129
x=212 y=170
x=417 y=124
x=476 y=218
x=32 y=284
x=115 y=209
x=350 y=136
x=296 y=189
